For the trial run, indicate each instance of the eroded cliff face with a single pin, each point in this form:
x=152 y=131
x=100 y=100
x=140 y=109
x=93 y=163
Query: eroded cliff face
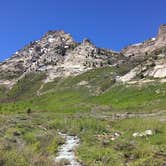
x=149 y=58
x=147 y=47
x=58 y=55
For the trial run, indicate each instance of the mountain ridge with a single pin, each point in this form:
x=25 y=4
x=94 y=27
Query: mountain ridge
x=54 y=54
x=105 y=104
x=59 y=55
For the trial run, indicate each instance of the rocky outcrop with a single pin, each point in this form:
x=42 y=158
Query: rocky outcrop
x=143 y=134
x=148 y=58
x=58 y=55
x=146 y=47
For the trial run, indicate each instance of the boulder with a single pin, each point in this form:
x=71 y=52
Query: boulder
x=143 y=134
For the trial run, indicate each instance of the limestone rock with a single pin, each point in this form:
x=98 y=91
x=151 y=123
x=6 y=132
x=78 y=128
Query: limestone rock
x=143 y=134
x=146 y=47
x=56 y=54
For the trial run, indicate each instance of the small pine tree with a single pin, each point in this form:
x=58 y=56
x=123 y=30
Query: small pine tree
x=29 y=111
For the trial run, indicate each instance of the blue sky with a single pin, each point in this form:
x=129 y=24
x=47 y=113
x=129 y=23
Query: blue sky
x=108 y=23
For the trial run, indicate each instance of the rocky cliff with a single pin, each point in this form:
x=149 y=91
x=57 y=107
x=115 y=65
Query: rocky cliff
x=148 y=57
x=58 y=55
x=147 y=47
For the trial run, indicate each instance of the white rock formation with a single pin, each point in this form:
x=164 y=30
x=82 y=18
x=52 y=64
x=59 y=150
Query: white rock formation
x=58 y=55
x=147 y=46
x=143 y=134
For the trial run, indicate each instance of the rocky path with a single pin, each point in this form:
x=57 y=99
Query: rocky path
x=66 y=151
x=157 y=114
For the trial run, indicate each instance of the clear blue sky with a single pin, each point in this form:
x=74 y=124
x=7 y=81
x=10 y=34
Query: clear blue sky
x=108 y=23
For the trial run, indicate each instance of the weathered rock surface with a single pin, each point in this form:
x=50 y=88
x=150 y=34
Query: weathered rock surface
x=146 y=47
x=148 y=58
x=58 y=55
x=143 y=134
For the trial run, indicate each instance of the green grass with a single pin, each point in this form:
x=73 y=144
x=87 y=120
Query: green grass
x=27 y=86
x=133 y=98
x=39 y=134
x=96 y=79
x=2 y=91
x=76 y=109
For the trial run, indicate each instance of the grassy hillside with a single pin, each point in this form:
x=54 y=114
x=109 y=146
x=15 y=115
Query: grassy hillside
x=2 y=91
x=134 y=98
x=27 y=86
x=91 y=106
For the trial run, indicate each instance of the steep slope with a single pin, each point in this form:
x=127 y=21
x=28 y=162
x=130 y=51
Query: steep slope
x=105 y=122
x=83 y=99
x=149 y=58
x=147 y=47
x=56 y=54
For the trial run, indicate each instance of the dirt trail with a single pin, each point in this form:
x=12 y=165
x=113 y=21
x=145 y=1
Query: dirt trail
x=130 y=115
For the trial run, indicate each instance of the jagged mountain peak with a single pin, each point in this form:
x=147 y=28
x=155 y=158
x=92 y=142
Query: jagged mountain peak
x=162 y=29
x=56 y=54
x=162 y=33
x=150 y=57
x=87 y=41
x=55 y=32
x=58 y=37
x=148 y=46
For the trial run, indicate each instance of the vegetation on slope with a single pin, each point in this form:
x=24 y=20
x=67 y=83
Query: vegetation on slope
x=92 y=107
x=26 y=87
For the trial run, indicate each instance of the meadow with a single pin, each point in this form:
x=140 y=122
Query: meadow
x=92 y=106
